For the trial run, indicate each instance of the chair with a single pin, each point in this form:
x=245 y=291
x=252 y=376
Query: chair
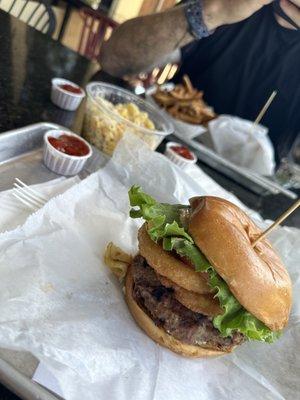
x=96 y=28
x=37 y=14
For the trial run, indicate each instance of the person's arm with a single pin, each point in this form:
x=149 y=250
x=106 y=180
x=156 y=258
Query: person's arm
x=145 y=42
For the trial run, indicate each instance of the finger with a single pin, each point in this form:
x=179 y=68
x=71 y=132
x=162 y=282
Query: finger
x=291 y=9
x=295 y=2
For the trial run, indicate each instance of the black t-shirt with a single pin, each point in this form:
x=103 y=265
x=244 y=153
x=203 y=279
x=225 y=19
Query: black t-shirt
x=240 y=65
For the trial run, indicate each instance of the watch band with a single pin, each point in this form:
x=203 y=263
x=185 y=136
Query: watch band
x=194 y=16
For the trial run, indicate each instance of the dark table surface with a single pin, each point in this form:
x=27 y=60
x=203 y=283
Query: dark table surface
x=28 y=62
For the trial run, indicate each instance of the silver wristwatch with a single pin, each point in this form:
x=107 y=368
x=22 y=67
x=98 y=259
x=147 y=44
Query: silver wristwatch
x=194 y=16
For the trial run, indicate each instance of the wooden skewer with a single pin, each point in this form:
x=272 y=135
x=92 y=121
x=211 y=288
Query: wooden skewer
x=277 y=222
x=265 y=108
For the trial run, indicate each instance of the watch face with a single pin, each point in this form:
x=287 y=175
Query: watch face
x=279 y=11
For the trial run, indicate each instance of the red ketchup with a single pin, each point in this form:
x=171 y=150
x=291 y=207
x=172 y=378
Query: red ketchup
x=183 y=152
x=70 y=88
x=70 y=145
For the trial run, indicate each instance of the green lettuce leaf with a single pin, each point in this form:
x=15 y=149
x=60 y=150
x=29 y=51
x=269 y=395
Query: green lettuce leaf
x=163 y=219
x=235 y=317
x=165 y=225
x=187 y=249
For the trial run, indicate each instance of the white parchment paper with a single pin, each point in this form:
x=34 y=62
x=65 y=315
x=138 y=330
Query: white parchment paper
x=243 y=143
x=58 y=300
x=14 y=213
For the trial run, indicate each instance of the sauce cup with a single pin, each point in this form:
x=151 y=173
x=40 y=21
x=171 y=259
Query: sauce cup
x=62 y=163
x=178 y=159
x=63 y=98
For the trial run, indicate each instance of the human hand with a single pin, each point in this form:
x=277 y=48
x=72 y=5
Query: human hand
x=292 y=10
x=224 y=12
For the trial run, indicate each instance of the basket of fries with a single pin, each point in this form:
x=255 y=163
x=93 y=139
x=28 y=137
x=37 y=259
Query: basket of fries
x=111 y=111
x=185 y=105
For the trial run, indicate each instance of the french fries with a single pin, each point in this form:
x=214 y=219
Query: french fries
x=185 y=103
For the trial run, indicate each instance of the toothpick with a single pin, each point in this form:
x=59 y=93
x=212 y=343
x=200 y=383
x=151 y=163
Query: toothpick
x=277 y=222
x=265 y=108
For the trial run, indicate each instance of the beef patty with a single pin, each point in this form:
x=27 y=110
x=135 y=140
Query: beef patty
x=160 y=305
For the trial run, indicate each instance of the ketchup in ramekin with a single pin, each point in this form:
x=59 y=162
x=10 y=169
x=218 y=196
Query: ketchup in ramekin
x=70 y=145
x=180 y=155
x=70 y=88
x=183 y=152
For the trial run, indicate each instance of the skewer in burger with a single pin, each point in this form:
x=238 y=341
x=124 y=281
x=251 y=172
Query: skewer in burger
x=197 y=286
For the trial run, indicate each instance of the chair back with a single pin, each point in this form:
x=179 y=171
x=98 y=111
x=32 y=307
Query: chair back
x=96 y=28
x=37 y=14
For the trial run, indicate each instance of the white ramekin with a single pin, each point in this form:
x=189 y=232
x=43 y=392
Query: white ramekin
x=64 y=99
x=176 y=158
x=61 y=163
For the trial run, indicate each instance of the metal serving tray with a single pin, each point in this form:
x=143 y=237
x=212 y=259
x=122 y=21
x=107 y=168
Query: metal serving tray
x=21 y=156
x=252 y=181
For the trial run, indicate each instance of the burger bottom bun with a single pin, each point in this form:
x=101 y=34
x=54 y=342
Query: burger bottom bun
x=159 y=335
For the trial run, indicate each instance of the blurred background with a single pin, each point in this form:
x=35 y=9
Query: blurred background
x=70 y=15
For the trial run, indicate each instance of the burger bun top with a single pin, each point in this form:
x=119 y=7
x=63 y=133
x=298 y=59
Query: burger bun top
x=255 y=275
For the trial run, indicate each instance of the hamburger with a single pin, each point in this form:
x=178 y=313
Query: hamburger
x=197 y=285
